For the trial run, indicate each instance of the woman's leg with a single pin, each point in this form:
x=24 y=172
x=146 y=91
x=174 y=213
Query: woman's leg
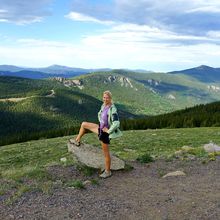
x=87 y=126
x=106 y=152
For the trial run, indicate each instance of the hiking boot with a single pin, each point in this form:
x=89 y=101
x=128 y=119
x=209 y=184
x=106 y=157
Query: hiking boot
x=105 y=174
x=73 y=141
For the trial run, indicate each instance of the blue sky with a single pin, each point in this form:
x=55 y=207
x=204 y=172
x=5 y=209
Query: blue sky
x=136 y=34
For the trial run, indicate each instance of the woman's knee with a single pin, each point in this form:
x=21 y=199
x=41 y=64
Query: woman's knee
x=84 y=124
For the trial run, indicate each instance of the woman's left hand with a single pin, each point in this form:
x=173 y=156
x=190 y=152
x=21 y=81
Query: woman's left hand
x=105 y=129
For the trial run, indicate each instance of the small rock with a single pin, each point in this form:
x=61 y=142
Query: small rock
x=191 y=157
x=175 y=173
x=58 y=183
x=87 y=182
x=63 y=159
x=12 y=216
x=211 y=148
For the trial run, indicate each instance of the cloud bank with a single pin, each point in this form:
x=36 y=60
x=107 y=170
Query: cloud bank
x=151 y=34
x=195 y=17
x=23 y=11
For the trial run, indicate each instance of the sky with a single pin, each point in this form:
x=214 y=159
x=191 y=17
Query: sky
x=154 y=35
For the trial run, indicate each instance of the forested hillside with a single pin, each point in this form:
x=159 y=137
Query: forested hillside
x=150 y=93
x=130 y=95
x=199 y=116
x=45 y=116
x=14 y=87
x=31 y=109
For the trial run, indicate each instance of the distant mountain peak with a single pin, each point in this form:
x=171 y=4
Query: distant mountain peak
x=204 y=67
x=203 y=73
x=58 y=67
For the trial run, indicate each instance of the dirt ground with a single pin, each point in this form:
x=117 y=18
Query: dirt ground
x=138 y=194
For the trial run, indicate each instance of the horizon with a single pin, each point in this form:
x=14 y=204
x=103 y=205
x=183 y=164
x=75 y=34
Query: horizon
x=42 y=67
x=165 y=36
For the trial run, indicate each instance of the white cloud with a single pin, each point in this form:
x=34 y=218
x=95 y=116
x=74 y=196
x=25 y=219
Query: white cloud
x=214 y=34
x=182 y=16
x=85 y=18
x=27 y=42
x=131 y=33
x=148 y=45
x=35 y=52
x=3 y=11
x=3 y=20
x=211 y=9
x=168 y=7
x=123 y=46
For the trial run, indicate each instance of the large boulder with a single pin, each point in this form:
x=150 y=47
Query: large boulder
x=93 y=156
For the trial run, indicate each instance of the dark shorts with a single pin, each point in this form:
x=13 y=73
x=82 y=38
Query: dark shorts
x=104 y=137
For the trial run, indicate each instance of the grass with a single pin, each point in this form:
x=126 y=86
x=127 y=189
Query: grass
x=75 y=183
x=159 y=142
x=145 y=158
x=27 y=163
x=23 y=166
x=87 y=171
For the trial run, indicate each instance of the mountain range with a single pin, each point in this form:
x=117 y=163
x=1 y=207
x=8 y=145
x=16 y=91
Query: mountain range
x=44 y=72
x=202 y=73
x=31 y=107
x=138 y=93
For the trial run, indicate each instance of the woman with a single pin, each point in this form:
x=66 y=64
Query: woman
x=108 y=128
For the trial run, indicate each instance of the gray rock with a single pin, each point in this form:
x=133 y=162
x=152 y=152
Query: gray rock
x=191 y=157
x=211 y=148
x=175 y=173
x=87 y=182
x=93 y=157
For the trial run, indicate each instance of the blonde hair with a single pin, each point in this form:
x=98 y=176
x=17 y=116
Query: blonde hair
x=108 y=93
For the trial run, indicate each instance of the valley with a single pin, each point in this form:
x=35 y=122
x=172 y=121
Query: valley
x=55 y=106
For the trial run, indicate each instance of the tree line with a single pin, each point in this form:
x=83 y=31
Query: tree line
x=19 y=127
x=199 y=116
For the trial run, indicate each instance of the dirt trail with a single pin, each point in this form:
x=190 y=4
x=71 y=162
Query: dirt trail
x=15 y=99
x=141 y=193
x=52 y=94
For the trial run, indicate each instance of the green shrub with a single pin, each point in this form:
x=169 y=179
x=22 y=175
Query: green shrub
x=145 y=158
x=87 y=171
x=75 y=183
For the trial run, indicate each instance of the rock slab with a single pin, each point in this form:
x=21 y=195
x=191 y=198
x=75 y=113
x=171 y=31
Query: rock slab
x=93 y=156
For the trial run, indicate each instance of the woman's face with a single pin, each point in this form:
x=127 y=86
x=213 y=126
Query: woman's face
x=106 y=99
